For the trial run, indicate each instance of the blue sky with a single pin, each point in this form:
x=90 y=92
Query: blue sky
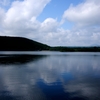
x=56 y=8
x=52 y=22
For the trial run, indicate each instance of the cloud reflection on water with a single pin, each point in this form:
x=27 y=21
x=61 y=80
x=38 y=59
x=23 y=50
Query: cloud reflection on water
x=77 y=75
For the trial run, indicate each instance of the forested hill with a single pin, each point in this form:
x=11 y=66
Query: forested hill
x=20 y=44
x=76 y=49
x=8 y=43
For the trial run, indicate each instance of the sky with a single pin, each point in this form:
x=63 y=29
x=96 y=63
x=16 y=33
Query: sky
x=52 y=22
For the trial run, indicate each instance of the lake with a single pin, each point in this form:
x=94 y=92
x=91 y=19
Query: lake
x=49 y=76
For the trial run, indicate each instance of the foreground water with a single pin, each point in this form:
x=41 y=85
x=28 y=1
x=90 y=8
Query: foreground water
x=49 y=76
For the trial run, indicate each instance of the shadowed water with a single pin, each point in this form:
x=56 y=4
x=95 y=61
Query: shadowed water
x=49 y=76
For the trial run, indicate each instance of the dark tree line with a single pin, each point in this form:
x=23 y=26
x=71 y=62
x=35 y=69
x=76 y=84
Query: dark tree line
x=76 y=49
x=20 y=44
x=24 y=44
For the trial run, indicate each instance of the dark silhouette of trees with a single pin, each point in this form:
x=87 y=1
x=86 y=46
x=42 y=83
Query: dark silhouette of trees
x=24 y=44
x=20 y=44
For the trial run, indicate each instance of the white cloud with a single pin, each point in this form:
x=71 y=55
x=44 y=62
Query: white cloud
x=84 y=14
x=2 y=16
x=21 y=17
x=25 y=11
x=49 y=25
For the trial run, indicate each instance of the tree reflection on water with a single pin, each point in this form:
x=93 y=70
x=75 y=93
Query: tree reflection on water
x=49 y=77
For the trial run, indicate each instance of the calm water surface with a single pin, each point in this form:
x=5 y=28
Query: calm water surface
x=49 y=76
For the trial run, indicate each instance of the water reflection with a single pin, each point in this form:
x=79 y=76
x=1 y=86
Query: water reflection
x=18 y=59
x=85 y=87
x=52 y=77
